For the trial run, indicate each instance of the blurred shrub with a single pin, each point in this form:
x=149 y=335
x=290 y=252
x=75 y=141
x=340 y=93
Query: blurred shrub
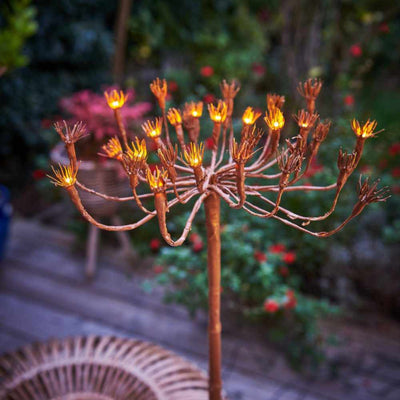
x=70 y=51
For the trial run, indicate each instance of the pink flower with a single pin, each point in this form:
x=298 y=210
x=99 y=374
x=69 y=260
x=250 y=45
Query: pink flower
x=208 y=98
x=271 y=306
x=260 y=256
x=356 y=50
x=277 y=248
x=289 y=257
x=207 y=71
x=194 y=237
x=348 y=100
x=155 y=244
x=258 y=69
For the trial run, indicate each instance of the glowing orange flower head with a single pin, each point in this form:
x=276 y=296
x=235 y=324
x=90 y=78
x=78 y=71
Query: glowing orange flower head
x=112 y=149
x=193 y=109
x=64 y=176
x=310 y=88
x=194 y=154
x=250 y=116
x=160 y=89
x=275 y=100
x=157 y=179
x=218 y=113
x=305 y=120
x=365 y=131
x=115 y=99
x=153 y=128
x=174 y=117
x=274 y=119
x=138 y=150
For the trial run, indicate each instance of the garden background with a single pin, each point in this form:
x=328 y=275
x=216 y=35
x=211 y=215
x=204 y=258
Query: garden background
x=58 y=57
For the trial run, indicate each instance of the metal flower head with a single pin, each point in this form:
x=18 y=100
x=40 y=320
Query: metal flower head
x=274 y=119
x=64 y=176
x=193 y=109
x=321 y=131
x=370 y=194
x=115 y=99
x=112 y=149
x=157 y=179
x=70 y=135
x=275 y=100
x=310 y=88
x=250 y=116
x=229 y=90
x=137 y=151
x=305 y=119
x=160 y=89
x=194 y=154
x=346 y=162
x=174 y=117
x=153 y=128
x=365 y=131
x=218 y=113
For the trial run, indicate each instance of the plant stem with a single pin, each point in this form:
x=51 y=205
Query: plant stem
x=212 y=209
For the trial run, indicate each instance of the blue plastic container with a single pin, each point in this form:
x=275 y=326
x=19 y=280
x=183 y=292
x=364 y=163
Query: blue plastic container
x=5 y=217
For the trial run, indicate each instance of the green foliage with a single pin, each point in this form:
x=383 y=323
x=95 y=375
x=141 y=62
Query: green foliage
x=18 y=25
x=257 y=268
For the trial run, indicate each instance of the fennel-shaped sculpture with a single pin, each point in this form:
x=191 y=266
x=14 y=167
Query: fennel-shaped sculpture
x=236 y=172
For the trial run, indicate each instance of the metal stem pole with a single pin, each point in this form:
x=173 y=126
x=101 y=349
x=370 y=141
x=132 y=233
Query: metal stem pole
x=212 y=209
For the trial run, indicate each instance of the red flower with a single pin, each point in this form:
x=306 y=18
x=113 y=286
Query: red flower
x=158 y=269
x=207 y=71
x=356 y=50
x=155 y=244
x=197 y=246
x=284 y=271
x=277 y=248
x=173 y=86
x=384 y=27
x=46 y=123
x=209 y=143
x=291 y=300
x=208 y=98
x=315 y=167
x=38 y=174
x=258 y=69
x=271 y=306
x=194 y=237
x=396 y=172
x=366 y=169
x=349 y=100
x=260 y=256
x=394 y=149
x=153 y=167
x=289 y=257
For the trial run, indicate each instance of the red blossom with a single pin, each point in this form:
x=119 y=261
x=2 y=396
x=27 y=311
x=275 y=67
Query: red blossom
x=284 y=271
x=271 y=306
x=394 y=149
x=395 y=172
x=384 y=27
x=356 y=50
x=153 y=167
x=260 y=256
x=291 y=303
x=258 y=69
x=38 y=174
x=209 y=143
x=197 y=246
x=208 y=98
x=315 y=168
x=289 y=257
x=155 y=244
x=277 y=248
x=349 y=100
x=194 y=237
x=366 y=169
x=158 y=269
x=207 y=71
x=173 y=86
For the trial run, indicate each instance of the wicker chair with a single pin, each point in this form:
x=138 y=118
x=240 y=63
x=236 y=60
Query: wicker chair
x=98 y=368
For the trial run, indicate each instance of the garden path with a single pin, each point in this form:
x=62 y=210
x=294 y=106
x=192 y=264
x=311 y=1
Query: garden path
x=43 y=294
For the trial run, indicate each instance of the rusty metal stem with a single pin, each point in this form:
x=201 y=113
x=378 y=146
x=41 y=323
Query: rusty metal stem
x=212 y=209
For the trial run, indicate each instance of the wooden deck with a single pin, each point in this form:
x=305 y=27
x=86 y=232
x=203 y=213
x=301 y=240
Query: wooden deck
x=43 y=294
